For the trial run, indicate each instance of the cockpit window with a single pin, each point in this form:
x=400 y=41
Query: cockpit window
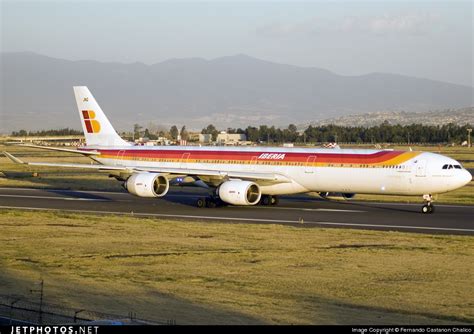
x=452 y=166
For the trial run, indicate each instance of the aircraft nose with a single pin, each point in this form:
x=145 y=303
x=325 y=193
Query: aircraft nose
x=465 y=177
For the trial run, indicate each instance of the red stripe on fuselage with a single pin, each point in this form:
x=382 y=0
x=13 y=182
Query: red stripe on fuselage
x=376 y=157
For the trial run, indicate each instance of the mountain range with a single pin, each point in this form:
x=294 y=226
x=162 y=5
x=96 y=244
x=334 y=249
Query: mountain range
x=233 y=91
x=460 y=117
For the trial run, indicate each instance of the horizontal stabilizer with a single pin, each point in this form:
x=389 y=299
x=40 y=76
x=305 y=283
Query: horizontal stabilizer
x=65 y=165
x=12 y=158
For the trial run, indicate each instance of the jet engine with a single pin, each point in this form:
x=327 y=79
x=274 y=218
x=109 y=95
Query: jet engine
x=239 y=192
x=147 y=185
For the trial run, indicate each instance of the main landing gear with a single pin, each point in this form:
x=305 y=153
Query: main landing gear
x=214 y=201
x=209 y=202
x=268 y=200
x=428 y=206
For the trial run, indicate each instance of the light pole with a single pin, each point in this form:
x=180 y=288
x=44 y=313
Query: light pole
x=469 y=137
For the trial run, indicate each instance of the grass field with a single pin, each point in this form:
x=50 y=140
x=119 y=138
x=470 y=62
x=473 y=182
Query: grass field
x=216 y=273
x=21 y=176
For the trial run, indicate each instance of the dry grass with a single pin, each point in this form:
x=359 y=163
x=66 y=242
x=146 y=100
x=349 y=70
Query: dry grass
x=237 y=273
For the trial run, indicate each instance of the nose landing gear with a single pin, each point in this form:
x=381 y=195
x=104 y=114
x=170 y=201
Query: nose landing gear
x=428 y=206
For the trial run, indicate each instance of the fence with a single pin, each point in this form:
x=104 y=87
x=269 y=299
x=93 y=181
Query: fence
x=28 y=311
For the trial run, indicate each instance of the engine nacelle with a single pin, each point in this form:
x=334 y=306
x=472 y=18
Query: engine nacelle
x=147 y=185
x=239 y=192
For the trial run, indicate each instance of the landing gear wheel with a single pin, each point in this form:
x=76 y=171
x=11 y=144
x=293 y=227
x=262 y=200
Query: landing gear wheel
x=201 y=202
x=210 y=203
x=265 y=200
x=268 y=200
x=275 y=200
x=323 y=195
x=428 y=206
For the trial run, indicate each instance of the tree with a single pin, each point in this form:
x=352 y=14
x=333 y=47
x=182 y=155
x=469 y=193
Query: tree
x=174 y=132
x=252 y=133
x=210 y=130
x=137 y=128
x=184 y=133
x=292 y=128
x=147 y=133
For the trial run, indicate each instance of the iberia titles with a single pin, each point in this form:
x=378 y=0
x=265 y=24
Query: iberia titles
x=272 y=156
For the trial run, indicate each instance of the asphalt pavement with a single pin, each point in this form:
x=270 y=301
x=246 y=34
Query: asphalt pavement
x=300 y=210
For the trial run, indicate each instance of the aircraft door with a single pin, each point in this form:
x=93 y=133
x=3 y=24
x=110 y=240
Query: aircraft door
x=420 y=167
x=309 y=168
x=184 y=160
x=119 y=158
x=252 y=164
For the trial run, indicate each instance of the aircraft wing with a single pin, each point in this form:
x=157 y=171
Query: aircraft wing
x=87 y=153
x=265 y=178
x=254 y=176
x=64 y=165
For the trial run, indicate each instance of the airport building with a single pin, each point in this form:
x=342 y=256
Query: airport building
x=205 y=138
x=225 y=138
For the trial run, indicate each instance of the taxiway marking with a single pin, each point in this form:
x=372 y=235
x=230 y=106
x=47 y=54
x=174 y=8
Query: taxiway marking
x=275 y=221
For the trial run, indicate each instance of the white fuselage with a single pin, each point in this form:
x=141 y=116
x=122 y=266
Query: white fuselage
x=318 y=170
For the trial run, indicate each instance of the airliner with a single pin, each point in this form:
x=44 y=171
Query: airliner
x=256 y=175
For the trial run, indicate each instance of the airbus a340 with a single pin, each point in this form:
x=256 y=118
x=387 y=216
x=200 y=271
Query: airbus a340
x=252 y=175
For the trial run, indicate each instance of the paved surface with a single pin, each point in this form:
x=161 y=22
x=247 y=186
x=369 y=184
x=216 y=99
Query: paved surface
x=302 y=211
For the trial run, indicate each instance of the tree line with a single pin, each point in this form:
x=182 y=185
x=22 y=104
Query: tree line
x=383 y=133
x=387 y=133
x=44 y=133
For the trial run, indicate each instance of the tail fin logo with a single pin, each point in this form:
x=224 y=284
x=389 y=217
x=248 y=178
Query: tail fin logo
x=92 y=125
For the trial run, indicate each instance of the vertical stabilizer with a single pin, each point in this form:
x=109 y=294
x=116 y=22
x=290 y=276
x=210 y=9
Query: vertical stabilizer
x=97 y=128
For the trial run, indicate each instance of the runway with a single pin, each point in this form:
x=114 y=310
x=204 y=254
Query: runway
x=301 y=210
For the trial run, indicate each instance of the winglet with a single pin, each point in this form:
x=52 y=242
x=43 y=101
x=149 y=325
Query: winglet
x=12 y=158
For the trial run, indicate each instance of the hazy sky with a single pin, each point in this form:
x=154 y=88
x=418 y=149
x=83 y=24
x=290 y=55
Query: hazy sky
x=424 y=38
